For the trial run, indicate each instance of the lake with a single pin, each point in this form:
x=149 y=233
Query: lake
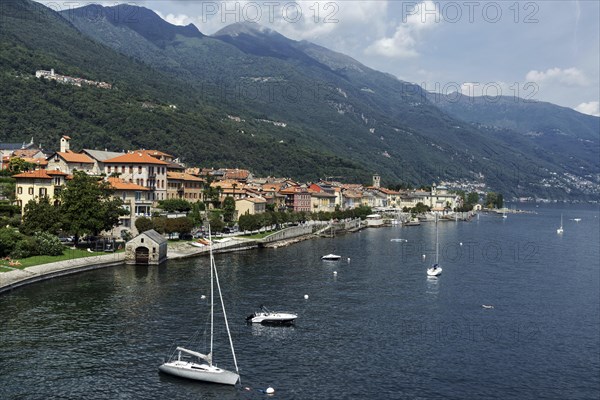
x=380 y=328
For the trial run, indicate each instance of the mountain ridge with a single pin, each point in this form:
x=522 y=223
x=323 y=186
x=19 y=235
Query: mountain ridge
x=354 y=120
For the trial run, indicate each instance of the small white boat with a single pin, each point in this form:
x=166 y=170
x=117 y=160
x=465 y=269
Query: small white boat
x=560 y=229
x=331 y=257
x=577 y=219
x=398 y=240
x=265 y=316
x=435 y=270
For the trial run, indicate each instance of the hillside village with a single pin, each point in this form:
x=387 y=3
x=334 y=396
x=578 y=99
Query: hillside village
x=141 y=178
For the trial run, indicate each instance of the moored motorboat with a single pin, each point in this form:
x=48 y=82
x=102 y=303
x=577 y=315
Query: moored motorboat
x=265 y=316
x=331 y=257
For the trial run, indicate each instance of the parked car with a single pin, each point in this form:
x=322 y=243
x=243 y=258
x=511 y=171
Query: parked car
x=66 y=239
x=185 y=236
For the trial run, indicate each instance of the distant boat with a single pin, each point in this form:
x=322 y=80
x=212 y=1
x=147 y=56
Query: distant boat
x=191 y=364
x=265 y=316
x=331 y=257
x=560 y=230
x=577 y=219
x=435 y=269
x=413 y=222
x=398 y=240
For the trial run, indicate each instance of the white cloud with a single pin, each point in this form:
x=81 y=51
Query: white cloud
x=591 y=108
x=569 y=76
x=179 y=19
x=404 y=42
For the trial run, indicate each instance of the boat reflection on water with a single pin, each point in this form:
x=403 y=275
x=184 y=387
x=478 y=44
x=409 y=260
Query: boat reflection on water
x=274 y=331
x=433 y=285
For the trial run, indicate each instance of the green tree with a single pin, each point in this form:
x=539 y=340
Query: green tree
x=17 y=165
x=228 y=208
x=8 y=240
x=87 y=205
x=473 y=198
x=491 y=199
x=216 y=223
x=173 y=205
x=143 y=224
x=41 y=216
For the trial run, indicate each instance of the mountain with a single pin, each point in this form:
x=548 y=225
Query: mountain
x=138 y=112
x=556 y=134
x=249 y=97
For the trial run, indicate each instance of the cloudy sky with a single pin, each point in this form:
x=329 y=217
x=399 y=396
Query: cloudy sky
x=543 y=50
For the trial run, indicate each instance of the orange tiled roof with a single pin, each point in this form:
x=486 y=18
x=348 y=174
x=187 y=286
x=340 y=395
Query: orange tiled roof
x=253 y=199
x=155 y=153
x=37 y=174
x=135 y=158
x=267 y=187
x=120 y=184
x=55 y=172
x=237 y=174
x=76 y=157
x=183 y=176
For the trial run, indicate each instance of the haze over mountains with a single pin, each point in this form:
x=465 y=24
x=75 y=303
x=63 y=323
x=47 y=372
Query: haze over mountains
x=249 y=97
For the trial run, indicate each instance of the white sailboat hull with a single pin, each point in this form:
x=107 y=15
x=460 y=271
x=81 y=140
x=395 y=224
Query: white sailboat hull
x=434 y=272
x=200 y=372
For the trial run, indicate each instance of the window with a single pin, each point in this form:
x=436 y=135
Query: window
x=43 y=192
x=19 y=190
x=139 y=169
x=30 y=190
x=109 y=169
x=131 y=169
x=138 y=196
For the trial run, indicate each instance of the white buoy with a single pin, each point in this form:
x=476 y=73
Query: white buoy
x=203 y=297
x=270 y=390
x=424 y=256
x=335 y=272
x=305 y=297
x=348 y=260
x=460 y=243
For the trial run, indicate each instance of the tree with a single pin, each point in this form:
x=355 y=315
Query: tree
x=17 y=165
x=216 y=224
x=87 y=205
x=41 y=216
x=491 y=199
x=8 y=240
x=143 y=224
x=473 y=198
x=228 y=208
x=172 y=205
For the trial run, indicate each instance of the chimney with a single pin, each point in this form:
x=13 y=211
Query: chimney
x=64 y=144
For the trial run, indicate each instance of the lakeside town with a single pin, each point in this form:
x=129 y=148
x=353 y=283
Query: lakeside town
x=142 y=179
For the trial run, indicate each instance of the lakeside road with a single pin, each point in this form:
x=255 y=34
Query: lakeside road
x=20 y=277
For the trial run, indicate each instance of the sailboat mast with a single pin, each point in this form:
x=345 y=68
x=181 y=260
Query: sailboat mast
x=213 y=266
x=212 y=303
x=437 y=244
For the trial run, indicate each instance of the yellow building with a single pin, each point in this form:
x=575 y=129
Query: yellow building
x=250 y=205
x=32 y=185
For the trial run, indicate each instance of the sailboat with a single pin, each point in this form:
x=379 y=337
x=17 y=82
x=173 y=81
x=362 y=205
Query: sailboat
x=560 y=230
x=191 y=364
x=435 y=269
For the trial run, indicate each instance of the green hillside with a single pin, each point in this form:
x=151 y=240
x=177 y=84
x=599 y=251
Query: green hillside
x=338 y=117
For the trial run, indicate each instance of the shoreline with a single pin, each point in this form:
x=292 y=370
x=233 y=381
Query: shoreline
x=21 y=277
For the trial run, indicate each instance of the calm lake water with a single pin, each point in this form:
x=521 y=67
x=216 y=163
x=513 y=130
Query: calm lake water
x=378 y=329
